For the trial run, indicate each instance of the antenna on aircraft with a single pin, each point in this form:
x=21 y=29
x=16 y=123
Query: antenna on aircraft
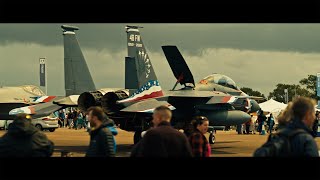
x=69 y=28
x=132 y=28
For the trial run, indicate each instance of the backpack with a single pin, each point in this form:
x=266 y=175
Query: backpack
x=278 y=144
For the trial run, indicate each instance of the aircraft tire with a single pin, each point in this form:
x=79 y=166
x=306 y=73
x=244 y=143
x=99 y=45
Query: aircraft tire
x=39 y=127
x=137 y=137
x=212 y=138
x=9 y=126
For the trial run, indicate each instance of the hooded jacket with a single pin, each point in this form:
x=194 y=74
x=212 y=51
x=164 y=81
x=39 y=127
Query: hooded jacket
x=25 y=140
x=101 y=142
x=302 y=144
x=114 y=131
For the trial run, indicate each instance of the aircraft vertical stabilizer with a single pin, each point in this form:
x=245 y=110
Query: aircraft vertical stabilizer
x=77 y=75
x=148 y=85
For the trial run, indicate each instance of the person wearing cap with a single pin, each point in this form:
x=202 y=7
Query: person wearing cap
x=162 y=140
x=101 y=138
x=24 y=140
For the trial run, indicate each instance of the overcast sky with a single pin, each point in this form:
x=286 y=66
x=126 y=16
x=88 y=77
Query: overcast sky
x=253 y=55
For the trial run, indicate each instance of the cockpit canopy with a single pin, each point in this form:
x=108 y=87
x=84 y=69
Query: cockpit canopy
x=220 y=79
x=33 y=90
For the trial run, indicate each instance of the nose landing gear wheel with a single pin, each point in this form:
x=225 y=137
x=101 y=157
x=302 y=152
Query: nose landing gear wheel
x=212 y=138
x=137 y=137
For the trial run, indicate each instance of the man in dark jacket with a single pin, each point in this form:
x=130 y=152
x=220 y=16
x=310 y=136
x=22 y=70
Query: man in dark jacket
x=261 y=119
x=24 y=140
x=162 y=140
x=101 y=138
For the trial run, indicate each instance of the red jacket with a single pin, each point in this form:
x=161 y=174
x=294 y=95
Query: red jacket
x=199 y=145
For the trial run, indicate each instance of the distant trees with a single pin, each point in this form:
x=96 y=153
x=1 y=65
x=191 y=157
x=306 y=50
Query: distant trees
x=252 y=92
x=310 y=83
x=306 y=88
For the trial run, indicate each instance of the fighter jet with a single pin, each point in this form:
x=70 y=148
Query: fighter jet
x=213 y=82
x=133 y=113
x=78 y=81
x=33 y=101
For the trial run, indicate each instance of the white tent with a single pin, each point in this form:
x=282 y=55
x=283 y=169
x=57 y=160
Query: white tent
x=272 y=106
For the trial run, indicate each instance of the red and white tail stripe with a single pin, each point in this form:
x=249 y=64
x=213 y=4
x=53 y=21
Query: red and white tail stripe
x=27 y=110
x=45 y=99
x=151 y=89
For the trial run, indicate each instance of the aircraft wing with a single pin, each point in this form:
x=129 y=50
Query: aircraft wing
x=230 y=99
x=146 y=106
x=39 y=110
x=221 y=99
x=68 y=101
x=45 y=109
x=256 y=97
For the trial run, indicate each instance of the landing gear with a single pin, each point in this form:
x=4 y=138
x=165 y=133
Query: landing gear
x=212 y=138
x=137 y=136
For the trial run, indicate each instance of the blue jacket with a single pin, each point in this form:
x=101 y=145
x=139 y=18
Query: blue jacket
x=114 y=131
x=303 y=144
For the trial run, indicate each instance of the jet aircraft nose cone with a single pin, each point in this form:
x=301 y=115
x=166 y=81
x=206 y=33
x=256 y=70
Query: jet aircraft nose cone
x=254 y=106
x=239 y=117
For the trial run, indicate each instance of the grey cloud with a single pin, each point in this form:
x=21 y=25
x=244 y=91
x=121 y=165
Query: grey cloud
x=189 y=37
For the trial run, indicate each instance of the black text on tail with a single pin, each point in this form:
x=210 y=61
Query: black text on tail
x=148 y=85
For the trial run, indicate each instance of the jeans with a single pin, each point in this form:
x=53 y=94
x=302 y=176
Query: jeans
x=260 y=127
x=69 y=123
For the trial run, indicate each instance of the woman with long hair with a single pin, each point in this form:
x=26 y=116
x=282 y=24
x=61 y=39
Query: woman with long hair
x=199 y=143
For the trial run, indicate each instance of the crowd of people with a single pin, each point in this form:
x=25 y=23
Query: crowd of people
x=161 y=140
x=73 y=119
x=257 y=124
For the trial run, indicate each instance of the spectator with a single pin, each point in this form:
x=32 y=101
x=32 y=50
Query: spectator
x=84 y=121
x=253 y=125
x=110 y=125
x=162 y=140
x=296 y=122
x=247 y=125
x=25 y=140
x=270 y=123
x=75 y=114
x=261 y=120
x=101 y=138
x=61 y=118
x=70 y=119
x=240 y=128
x=199 y=143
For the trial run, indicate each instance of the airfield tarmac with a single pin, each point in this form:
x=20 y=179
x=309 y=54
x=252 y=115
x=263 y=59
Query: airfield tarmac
x=228 y=143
